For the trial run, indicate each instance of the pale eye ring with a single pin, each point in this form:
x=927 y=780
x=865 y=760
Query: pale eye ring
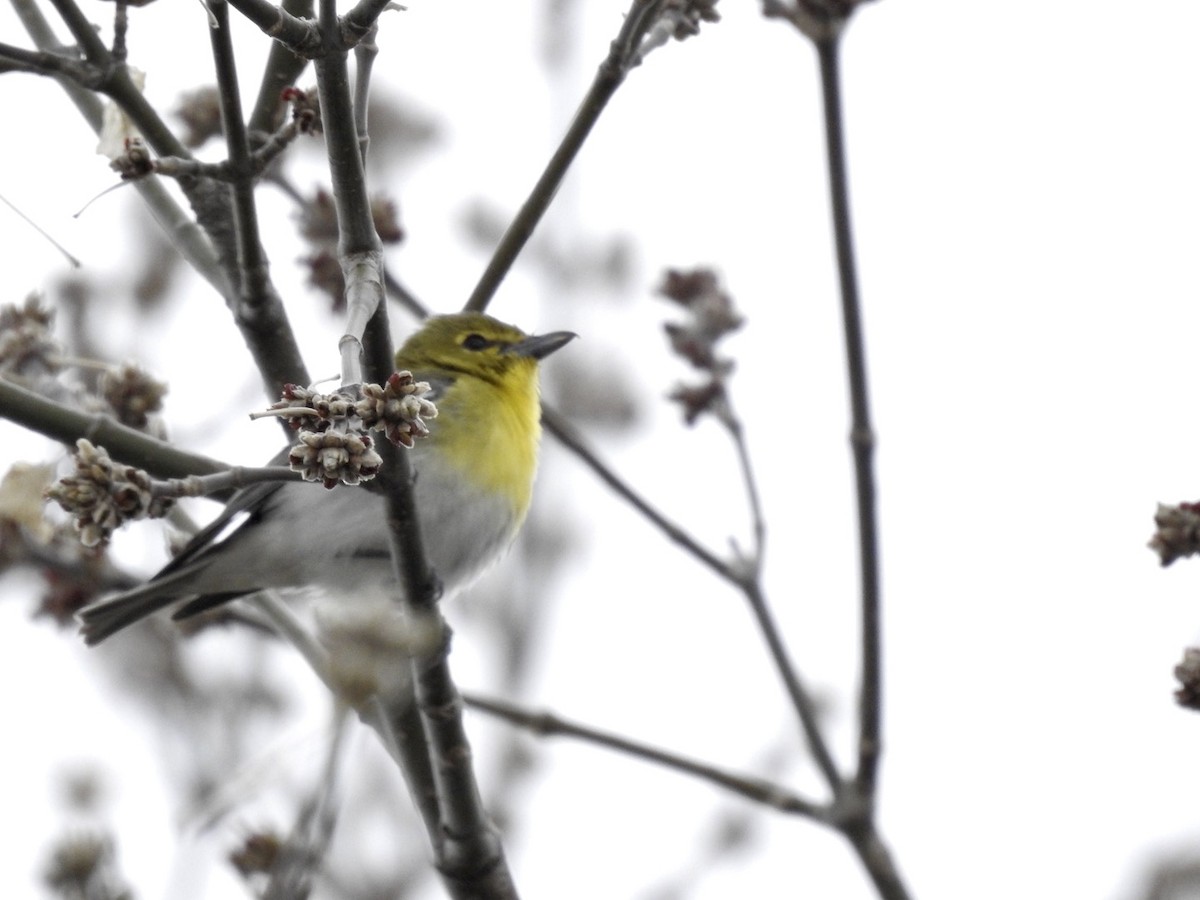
x=475 y=342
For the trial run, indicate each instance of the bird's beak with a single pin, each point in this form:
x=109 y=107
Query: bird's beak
x=539 y=346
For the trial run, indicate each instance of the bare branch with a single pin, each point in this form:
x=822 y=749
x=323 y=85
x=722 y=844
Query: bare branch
x=34 y=62
x=65 y=424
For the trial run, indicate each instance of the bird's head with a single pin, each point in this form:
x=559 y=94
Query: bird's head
x=476 y=345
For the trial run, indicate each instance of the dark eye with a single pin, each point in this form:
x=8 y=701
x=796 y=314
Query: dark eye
x=475 y=342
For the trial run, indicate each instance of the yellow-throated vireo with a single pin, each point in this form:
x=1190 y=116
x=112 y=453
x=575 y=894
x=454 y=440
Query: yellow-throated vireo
x=473 y=483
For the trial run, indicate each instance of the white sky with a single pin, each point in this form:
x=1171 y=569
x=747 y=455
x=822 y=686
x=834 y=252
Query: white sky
x=1025 y=192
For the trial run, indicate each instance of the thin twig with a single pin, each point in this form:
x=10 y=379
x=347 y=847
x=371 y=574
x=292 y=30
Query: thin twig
x=801 y=699
x=259 y=308
x=758 y=521
x=611 y=73
x=862 y=437
x=282 y=69
x=365 y=53
x=251 y=260
x=824 y=24
x=81 y=29
x=285 y=622
x=755 y=789
x=573 y=441
x=219 y=483
x=120 y=50
x=746 y=582
x=269 y=148
x=405 y=297
x=67 y=255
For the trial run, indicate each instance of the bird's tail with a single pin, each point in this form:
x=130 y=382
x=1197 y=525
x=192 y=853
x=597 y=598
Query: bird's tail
x=106 y=617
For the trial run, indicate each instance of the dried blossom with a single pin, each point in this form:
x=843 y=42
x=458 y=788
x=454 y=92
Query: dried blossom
x=102 y=495
x=135 y=162
x=334 y=457
x=257 y=854
x=710 y=317
x=83 y=864
x=304 y=407
x=306 y=109
x=132 y=394
x=688 y=14
x=1188 y=675
x=200 y=111
x=1178 y=533
x=26 y=344
x=398 y=409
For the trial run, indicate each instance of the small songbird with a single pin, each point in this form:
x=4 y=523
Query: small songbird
x=473 y=483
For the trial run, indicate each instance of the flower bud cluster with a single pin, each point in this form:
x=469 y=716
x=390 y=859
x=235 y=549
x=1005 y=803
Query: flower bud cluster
x=398 y=409
x=319 y=226
x=102 y=495
x=257 y=854
x=132 y=394
x=1187 y=673
x=306 y=109
x=686 y=16
x=83 y=863
x=200 y=112
x=334 y=456
x=26 y=346
x=303 y=407
x=1178 y=533
x=711 y=316
x=333 y=443
x=136 y=162
x=30 y=354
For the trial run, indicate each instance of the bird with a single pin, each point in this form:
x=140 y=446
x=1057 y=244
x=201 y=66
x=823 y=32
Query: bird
x=473 y=483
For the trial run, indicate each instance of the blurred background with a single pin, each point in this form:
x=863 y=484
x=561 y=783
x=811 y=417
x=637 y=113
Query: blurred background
x=1025 y=196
